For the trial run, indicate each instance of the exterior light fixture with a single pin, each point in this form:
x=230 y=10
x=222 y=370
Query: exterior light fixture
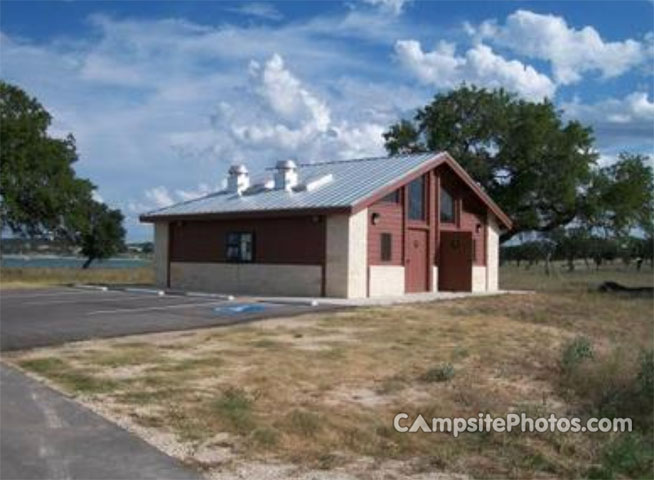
x=375 y=218
x=478 y=228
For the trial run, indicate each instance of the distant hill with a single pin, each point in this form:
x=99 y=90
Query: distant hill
x=23 y=246
x=45 y=246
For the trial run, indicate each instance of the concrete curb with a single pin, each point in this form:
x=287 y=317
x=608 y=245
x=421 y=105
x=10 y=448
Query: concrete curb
x=151 y=291
x=84 y=286
x=288 y=301
x=183 y=293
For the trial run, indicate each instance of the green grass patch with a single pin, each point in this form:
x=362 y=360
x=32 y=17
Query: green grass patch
x=71 y=380
x=303 y=422
x=235 y=408
x=441 y=373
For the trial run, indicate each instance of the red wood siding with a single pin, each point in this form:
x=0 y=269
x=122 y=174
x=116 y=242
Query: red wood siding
x=390 y=221
x=470 y=212
x=417 y=267
x=470 y=217
x=287 y=240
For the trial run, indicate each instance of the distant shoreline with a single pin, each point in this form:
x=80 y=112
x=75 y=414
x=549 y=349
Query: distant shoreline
x=69 y=261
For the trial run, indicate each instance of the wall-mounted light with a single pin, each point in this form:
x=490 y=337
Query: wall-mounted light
x=374 y=218
x=315 y=219
x=478 y=228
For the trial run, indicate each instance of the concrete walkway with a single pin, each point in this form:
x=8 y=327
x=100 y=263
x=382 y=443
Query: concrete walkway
x=45 y=435
x=421 y=297
x=324 y=301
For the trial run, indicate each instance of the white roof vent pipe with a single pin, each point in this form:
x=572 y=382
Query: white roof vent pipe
x=238 y=179
x=285 y=175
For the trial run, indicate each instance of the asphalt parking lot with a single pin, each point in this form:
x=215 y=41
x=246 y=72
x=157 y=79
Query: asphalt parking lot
x=36 y=318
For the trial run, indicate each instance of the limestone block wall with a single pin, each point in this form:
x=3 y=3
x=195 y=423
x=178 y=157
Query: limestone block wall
x=492 y=254
x=161 y=254
x=346 y=255
x=434 y=285
x=386 y=280
x=248 y=278
x=478 y=278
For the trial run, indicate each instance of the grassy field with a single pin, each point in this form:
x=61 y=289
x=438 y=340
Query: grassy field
x=40 y=277
x=582 y=278
x=319 y=392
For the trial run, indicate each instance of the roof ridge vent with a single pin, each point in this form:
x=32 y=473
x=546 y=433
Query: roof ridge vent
x=238 y=179
x=315 y=183
x=285 y=176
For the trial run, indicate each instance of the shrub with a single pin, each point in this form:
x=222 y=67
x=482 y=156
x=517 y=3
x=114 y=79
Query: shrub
x=236 y=408
x=265 y=437
x=304 y=422
x=645 y=378
x=575 y=352
x=630 y=455
x=442 y=373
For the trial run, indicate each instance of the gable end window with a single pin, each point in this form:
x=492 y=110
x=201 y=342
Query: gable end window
x=447 y=207
x=386 y=240
x=417 y=199
x=240 y=247
x=393 y=197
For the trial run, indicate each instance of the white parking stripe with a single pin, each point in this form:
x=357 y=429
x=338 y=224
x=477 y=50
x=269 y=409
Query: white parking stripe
x=51 y=294
x=110 y=299
x=146 y=309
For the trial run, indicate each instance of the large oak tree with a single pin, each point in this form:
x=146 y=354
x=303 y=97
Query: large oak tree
x=40 y=194
x=535 y=165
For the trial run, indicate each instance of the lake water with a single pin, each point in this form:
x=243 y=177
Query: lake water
x=20 y=261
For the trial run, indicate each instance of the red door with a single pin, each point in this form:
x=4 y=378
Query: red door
x=417 y=264
x=455 y=262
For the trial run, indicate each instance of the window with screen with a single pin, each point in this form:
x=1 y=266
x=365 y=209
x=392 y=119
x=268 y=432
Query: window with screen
x=386 y=240
x=417 y=199
x=393 y=197
x=447 y=207
x=240 y=247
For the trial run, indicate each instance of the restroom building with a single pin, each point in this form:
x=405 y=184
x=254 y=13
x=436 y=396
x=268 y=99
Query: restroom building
x=358 y=228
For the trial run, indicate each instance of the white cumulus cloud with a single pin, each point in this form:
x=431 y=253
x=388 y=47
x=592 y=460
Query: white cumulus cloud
x=480 y=65
x=159 y=196
x=394 y=7
x=285 y=95
x=266 y=11
x=571 y=51
x=280 y=117
x=617 y=120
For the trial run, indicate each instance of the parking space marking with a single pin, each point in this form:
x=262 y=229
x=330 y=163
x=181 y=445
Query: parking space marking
x=100 y=299
x=51 y=294
x=146 y=309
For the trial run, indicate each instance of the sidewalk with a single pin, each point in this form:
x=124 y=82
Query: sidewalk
x=46 y=435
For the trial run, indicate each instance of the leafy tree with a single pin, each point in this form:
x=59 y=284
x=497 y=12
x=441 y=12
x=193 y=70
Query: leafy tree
x=533 y=164
x=621 y=196
x=39 y=190
x=103 y=233
x=40 y=195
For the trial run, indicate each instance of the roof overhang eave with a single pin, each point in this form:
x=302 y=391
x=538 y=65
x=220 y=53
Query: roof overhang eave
x=287 y=212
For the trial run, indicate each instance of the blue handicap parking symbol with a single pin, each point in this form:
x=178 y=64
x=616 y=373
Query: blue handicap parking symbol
x=238 y=308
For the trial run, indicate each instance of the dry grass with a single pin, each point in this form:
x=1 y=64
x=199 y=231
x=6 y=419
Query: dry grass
x=40 y=277
x=582 y=278
x=265 y=395
x=320 y=391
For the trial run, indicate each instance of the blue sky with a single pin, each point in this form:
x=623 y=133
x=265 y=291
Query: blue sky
x=163 y=96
